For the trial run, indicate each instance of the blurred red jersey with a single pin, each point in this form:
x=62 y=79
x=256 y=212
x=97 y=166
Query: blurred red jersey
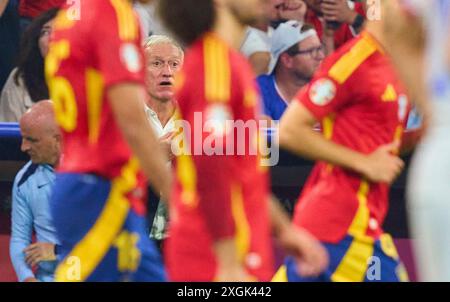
x=362 y=105
x=217 y=196
x=86 y=57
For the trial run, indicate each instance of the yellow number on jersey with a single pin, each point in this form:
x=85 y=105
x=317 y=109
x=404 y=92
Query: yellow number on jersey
x=61 y=91
x=129 y=255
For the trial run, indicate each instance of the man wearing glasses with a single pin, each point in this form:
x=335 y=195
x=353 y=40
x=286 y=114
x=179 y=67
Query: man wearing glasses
x=296 y=54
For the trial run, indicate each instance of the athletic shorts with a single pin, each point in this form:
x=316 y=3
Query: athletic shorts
x=353 y=260
x=102 y=237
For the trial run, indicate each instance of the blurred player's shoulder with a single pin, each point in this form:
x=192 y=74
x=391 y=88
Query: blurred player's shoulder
x=346 y=60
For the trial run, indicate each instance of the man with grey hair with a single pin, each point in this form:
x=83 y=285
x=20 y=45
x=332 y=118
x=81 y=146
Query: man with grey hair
x=164 y=60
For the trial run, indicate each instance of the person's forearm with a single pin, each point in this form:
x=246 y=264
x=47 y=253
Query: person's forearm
x=146 y=148
x=127 y=102
x=278 y=217
x=312 y=145
x=3 y=4
x=229 y=267
x=23 y=271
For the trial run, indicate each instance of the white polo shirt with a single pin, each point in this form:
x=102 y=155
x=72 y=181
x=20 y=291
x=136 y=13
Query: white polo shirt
x=160 y=130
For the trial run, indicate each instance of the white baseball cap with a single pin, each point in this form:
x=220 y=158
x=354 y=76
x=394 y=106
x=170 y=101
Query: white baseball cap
x=284 y=37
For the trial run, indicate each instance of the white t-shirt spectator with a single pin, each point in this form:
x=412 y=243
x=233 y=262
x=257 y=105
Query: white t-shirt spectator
x=256 y=41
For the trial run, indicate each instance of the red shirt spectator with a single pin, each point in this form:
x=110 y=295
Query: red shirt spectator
x=33 y=8
x=341 y=35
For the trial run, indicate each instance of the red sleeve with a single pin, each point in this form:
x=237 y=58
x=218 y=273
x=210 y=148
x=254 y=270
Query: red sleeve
x=323 y=96
x=117 y=45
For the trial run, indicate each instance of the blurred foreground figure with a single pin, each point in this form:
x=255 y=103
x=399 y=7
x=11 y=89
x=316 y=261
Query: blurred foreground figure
x=95 y=71
x=362 y=106
x=421 y=31
x=221 y=213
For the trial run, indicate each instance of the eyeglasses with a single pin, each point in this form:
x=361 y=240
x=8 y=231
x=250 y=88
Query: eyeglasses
x=314 y=52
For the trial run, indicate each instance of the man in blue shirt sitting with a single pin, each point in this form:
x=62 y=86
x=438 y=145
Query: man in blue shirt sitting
x=30 y=197
x=296 y=53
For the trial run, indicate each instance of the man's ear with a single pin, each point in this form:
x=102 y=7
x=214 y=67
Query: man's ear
x=286 y=60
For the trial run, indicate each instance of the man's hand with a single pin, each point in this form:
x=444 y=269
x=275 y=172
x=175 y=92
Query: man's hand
x=165 y=141
x=39 y=251
x=229 y=268
x=383 y=165
x=293 y=10
x=338 y=10
x=31 y=279
x=310 y=255
x=232 y=274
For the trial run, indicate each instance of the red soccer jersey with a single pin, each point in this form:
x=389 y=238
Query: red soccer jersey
x=33 y=8
x=362 y=105
x=217 y=197
x=342 y=34
x=86 y=57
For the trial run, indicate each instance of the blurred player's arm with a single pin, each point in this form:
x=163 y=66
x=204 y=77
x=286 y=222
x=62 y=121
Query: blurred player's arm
x=297 y=122
x=311 y=256
x=136 y=129
x=405 y=42
x=260 y=62
x=3 y=4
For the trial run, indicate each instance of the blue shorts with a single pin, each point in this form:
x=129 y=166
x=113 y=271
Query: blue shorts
x=102 y=238
x=354 y=260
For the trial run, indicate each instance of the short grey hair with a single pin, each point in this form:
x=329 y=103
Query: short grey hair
x=161 y=39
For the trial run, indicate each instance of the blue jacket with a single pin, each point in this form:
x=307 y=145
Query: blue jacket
x=31 y=211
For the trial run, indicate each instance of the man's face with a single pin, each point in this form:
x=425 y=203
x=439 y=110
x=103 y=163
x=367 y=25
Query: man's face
x=42 y=145
x=314 y=5
x=250 y=12
x=305 y=65
x=164 y=61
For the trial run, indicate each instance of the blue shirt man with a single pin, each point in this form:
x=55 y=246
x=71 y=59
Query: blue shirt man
x=296 y=54
x=273 y=104
x=31 y=195
x=30 y=211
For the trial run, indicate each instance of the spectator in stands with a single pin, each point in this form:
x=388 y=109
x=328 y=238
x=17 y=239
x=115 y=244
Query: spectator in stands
x=150 y=22
x=256 y=45
x=30 y=196
x=26 y=83
x=9 y=37
x=336 y=21
x=30 y=9
x=164 y=59
x=296 y=54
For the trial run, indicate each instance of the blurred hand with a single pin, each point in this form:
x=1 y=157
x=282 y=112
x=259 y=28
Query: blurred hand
x=293 y=10
x=338 y=10
x=39 y=251
x=31 y=279
x=165 y=142
x=233 y=274
x=311 y=256
x=383 y=165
